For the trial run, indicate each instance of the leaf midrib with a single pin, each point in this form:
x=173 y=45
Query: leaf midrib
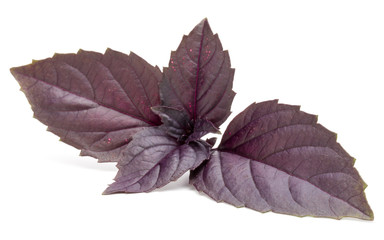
x=345 y=201
x=92 y=100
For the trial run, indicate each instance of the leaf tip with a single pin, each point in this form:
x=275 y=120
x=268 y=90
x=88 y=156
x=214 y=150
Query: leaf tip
x=106 y=192
x=203 y=21
x=17 y=72
x=110 y=190
x=13 y=70
x=203 y=26
x=370 y=216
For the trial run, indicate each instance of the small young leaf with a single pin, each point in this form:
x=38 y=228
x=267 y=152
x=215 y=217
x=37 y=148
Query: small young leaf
x=199 y=77
x=201 y=128
x=153 y=159
x=175 y=122
x=92 y=101
x=273 y=157
x=178 y=125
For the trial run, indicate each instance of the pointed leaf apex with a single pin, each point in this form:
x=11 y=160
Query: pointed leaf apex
x=199 y=79
x=107 y=191
x=201 y=26
x=204 y=21
x=12 y=70
x=16 y=71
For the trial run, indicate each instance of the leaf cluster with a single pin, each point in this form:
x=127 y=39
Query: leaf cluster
x=119 y=108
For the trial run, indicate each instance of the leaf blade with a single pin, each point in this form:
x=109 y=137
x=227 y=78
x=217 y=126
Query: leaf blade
x=273 y=157
x=83 y=98
x=199 y=77
x=153 y=159
x=286 y=193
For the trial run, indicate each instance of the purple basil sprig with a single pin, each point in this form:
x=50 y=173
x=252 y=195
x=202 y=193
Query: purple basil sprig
x=118 y=108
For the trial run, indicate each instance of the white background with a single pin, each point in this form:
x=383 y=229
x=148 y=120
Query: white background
x=326 y=56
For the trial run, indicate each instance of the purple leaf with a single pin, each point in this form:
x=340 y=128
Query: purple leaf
x=175 y=122
x=201 y=128
x=199 y=77
x=94 y=102
x=273 y=157
x=153 y=159
x=117 y=107
x=178 y=125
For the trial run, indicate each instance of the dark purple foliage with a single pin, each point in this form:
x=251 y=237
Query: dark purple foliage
x=201 y=128
x=199 y=77
x=92 y=101
x=178 y=124
x=117 y=107
x=153 y=159
x=274 y=157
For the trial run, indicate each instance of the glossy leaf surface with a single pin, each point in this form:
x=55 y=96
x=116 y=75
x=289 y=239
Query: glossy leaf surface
x=199 y=77
x=94 y=102
x=274 y=157
x=117 y=107
x=153 y=159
